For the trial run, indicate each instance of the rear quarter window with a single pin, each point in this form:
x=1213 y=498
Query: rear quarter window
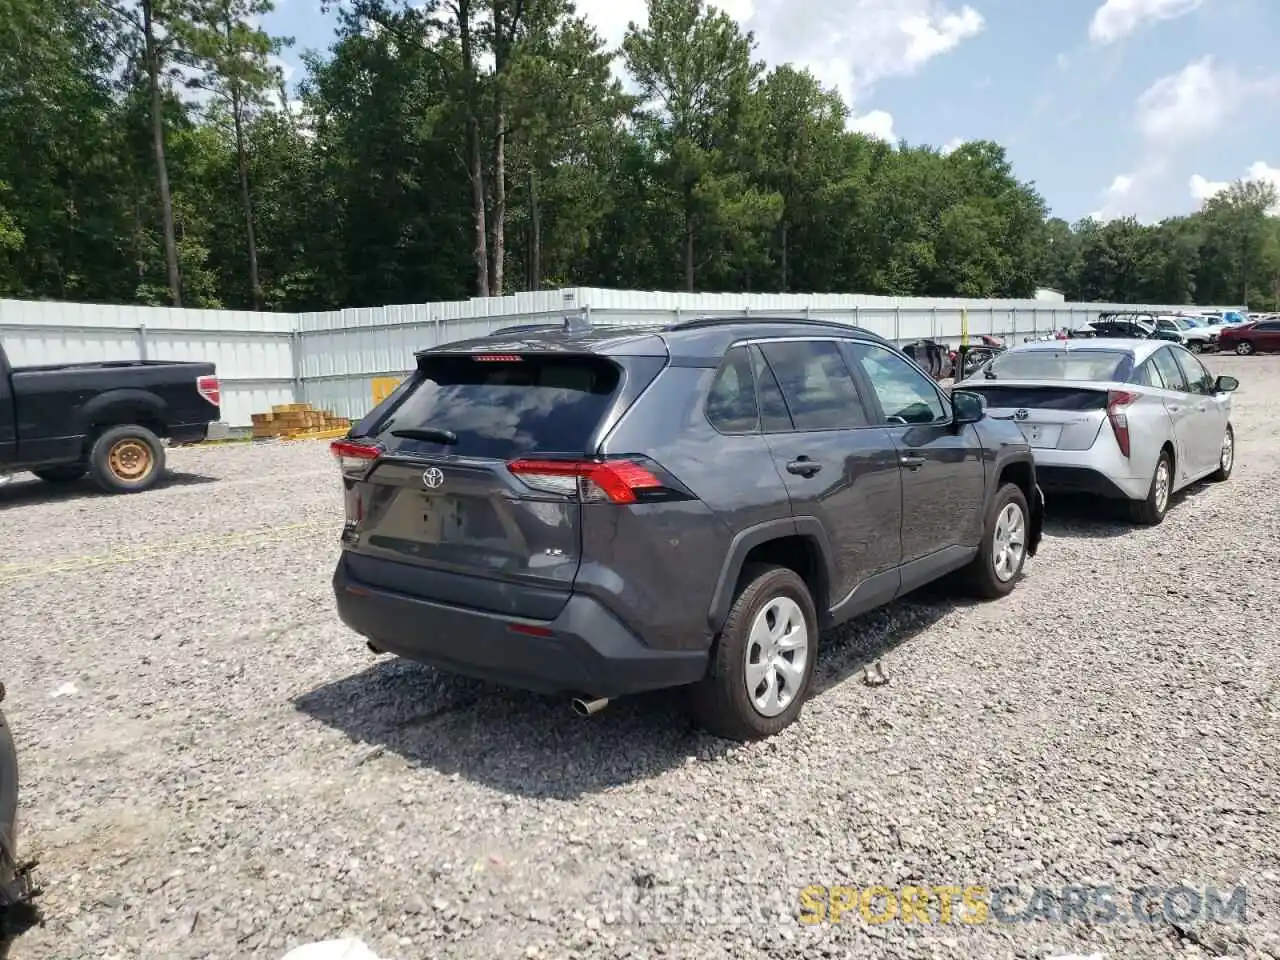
x=505 y=408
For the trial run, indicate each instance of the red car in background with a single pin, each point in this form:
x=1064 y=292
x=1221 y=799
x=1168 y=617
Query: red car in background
x=1260 y=336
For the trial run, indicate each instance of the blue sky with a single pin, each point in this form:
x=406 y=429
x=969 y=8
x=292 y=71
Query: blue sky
x=1112 y=107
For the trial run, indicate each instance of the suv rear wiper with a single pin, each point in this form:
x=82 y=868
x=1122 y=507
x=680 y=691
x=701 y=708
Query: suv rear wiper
x=429 y=434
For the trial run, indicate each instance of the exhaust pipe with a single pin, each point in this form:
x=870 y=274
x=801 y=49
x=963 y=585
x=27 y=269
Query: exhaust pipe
x=587 y=708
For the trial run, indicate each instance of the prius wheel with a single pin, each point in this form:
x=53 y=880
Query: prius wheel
x=1151 y=511
x=762 y=666
x=1226 y=458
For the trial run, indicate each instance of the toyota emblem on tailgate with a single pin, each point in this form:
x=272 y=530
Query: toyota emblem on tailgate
x=1017 y=415
x=432 y=477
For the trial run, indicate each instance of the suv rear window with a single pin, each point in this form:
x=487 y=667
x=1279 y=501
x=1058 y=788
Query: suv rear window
x=504 y=408
x=1060 y=365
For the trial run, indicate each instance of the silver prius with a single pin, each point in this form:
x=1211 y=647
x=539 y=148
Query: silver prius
x=1132 y=420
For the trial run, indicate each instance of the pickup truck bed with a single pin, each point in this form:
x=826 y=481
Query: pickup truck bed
x=105 y=419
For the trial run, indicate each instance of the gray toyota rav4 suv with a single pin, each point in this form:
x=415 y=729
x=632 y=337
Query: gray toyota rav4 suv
x=601 y=512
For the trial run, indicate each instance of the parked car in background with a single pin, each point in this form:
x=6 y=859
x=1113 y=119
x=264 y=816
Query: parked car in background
x=1133 y=420
x=1197 y=337
x=1127 y=326
x=599 y=513
x=1262 y=336
x=107 y=420
x=1224 y=318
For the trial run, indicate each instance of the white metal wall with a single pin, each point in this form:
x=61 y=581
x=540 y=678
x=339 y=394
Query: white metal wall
x=331 y=359
x=253 y=352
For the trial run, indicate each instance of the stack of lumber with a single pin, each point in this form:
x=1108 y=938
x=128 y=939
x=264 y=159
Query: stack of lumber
x=298 y=421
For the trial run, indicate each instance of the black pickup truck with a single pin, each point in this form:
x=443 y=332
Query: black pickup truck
x=105 y=419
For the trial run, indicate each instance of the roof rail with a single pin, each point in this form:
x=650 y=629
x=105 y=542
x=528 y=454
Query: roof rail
x=756 y=318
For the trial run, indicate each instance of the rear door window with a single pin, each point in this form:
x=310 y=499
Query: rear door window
x=1147 y=375
x=774 y=416
x=817 y=386
x=503 y=406
x=1170 y=372
x=731 y=401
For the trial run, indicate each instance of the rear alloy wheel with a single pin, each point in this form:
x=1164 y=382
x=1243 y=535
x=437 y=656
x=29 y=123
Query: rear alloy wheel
x=1244 y=348
x=126 y=459
x=762 y=666
x=1226 y=457
x=993 y=573
x=1151 y=511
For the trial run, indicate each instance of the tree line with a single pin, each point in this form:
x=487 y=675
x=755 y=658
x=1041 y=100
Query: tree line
x=151 y=152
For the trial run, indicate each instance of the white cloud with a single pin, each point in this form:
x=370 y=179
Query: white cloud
x=851 y=46
x=1202 y=189
x=1192 y=103
x=1117 y=198
x=1117 y=19
x=952 y=145
x=877 y=123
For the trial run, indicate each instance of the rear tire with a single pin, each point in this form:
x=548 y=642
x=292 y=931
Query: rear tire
x=770 y=635
x=126 y=459
x=1151 y=511
x=1226 y=457
x=994 y=572
x=64 y=473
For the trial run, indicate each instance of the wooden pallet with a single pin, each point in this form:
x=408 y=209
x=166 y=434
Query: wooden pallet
x=289 y=421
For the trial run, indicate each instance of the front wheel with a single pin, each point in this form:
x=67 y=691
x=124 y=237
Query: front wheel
x=126 y=459
x=994 y=572
x=762 y=666
x=1244 y=348
x=1195 y=346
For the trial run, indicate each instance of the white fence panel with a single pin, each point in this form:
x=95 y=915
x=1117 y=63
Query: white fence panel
x=331 y=359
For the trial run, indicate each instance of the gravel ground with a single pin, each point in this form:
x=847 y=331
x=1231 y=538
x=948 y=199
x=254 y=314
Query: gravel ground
x=214 y=767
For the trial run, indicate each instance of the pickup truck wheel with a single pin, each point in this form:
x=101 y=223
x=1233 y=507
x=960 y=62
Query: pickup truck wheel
x=126 y=459
x=994 y=572
x=762 y=665
x=66 y=473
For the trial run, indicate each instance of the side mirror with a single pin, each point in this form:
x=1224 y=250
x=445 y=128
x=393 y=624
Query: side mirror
x=967 y=407
x=1225 y=384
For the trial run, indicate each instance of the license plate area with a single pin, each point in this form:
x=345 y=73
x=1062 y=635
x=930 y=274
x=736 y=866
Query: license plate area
x=441 y=519
x=1041 y=434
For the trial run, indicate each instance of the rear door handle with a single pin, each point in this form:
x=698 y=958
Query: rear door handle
x=803 y=466
x=912 y=463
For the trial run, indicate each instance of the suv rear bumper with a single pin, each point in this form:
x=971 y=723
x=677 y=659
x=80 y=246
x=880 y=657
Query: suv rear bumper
x=585 y=651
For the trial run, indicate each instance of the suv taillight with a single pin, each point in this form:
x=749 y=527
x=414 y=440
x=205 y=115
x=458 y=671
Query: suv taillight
x=613 y=480
x=210 y=389
x=1118 y=402
x=354 y=457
